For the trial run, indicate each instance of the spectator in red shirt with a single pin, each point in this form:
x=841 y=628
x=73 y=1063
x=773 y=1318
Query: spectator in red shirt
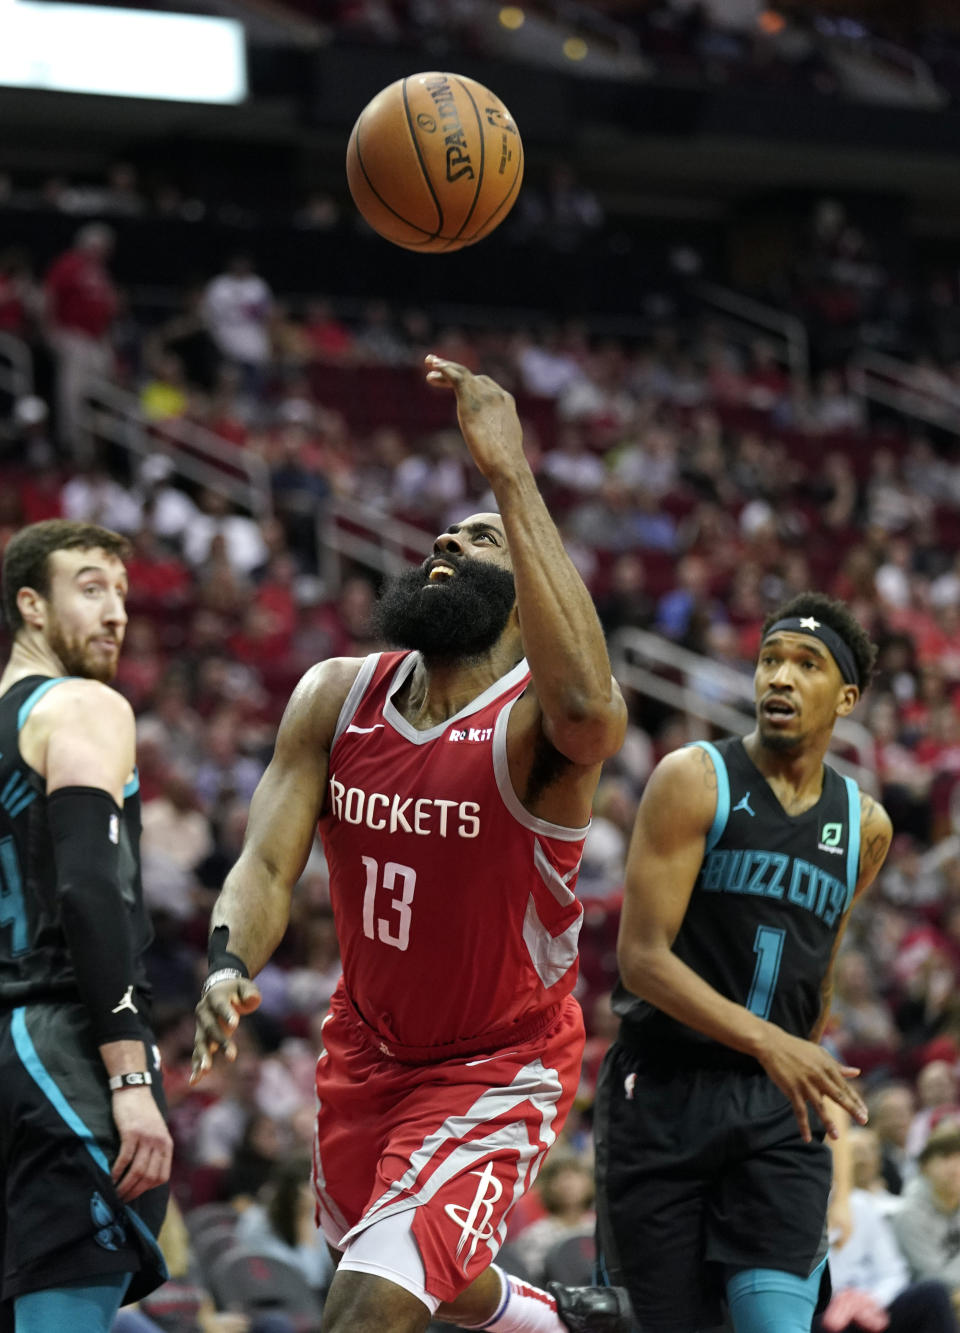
x=81 y=303
x=162 y=580
x=327 y=338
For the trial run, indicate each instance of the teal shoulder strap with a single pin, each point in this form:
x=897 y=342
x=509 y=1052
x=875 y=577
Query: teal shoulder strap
x=723 y=793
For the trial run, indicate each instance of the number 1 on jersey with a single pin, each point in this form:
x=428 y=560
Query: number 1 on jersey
x=768 y=946
x=392 y=873
x=13 y=911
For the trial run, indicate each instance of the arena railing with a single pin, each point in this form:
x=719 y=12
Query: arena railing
x=886 y=381
x=351 y=532
x=872 y=69
x=710 y=692
x=744 y=319
x=110 y=415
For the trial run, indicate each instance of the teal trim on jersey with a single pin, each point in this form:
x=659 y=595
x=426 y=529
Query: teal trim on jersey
x=766 y=1300
x=91 y=1305
x=133 y=786
x=32 y=699
x=723 y=794
x=853 y=844
x=35 y=1067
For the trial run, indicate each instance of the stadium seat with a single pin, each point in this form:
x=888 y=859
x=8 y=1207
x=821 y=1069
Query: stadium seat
x=244 y=1280
x=206 y=1215
x=209 y=1244
x=571 y=1261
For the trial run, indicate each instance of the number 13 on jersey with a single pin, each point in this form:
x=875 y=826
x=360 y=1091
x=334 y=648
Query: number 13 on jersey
x=396 y=879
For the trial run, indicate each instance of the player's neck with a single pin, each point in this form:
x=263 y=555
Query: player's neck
x=30 y=656
x=437 y=691
x=795 y=775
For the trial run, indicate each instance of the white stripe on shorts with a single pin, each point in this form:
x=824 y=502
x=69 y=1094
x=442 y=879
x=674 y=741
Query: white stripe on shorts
x=534 y=1083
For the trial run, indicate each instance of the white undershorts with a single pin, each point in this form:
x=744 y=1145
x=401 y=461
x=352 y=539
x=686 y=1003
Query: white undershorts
x=388 y=1250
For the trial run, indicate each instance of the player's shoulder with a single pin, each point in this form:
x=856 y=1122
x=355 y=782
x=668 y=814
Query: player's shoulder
x=870 y=807
x=79 y=700
x=685 y=782
x=318 y=697
x=335 y=675
x=875 y=824
x=876 y=834
x=687 y=764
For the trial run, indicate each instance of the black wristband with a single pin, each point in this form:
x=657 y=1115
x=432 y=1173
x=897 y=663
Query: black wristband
x=219 y=956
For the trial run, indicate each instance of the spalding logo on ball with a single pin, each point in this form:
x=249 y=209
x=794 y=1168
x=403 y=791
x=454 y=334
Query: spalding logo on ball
x=434 y=162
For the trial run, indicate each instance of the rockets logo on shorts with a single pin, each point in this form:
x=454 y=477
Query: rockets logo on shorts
x=475 y=1221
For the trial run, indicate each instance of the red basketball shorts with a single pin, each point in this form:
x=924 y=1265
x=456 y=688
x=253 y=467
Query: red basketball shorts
x=459 y=1141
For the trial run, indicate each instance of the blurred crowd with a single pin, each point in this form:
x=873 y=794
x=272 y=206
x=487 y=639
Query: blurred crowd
x=873 y=53
x=697 y=481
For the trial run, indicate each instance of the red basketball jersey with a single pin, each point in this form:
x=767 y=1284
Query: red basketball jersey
x=455 y=907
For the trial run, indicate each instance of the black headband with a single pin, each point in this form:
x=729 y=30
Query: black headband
x=839 y=649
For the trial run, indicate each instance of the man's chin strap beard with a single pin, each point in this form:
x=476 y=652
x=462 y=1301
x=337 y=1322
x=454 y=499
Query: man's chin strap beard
x=779 y=743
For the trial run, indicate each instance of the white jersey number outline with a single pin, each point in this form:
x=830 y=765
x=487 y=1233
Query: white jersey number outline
x=392 y=873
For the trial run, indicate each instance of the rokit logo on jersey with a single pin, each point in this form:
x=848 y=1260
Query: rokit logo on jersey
x=830 y=836
x=471 y=734
x=423 y=816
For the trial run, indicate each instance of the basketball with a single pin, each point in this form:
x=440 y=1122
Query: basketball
x=434 y=162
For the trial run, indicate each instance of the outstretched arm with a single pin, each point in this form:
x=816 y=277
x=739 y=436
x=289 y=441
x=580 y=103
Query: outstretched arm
x=667 y=848
x=254 y=905
x=584 y=716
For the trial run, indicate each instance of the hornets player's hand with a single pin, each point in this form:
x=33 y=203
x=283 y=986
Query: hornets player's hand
x=808 y=1074
x=218 y=1014
x=146 y=1148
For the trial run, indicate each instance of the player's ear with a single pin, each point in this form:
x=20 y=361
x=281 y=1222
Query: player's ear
x=32 y=607
x=849 y=698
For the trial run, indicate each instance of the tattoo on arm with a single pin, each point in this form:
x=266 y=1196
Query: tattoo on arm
x=707 y=770
x=874 y=837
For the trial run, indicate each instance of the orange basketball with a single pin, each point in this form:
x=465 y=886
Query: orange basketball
x=434 y=162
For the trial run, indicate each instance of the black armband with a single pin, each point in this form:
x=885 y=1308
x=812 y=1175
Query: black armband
x=219 y=957
x=84 y=823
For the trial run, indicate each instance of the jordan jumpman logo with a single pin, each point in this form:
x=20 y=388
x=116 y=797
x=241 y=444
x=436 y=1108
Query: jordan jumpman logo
x=126 y=1003
x=744 y=805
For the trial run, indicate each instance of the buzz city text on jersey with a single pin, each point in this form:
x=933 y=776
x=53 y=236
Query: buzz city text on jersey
x=765 y=874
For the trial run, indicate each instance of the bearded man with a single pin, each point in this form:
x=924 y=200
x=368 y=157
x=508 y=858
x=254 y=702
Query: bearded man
x=452 y=783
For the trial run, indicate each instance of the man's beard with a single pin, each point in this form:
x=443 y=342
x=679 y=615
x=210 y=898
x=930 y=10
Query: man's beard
x=456 y=619
x=776 y=741
x=79 y=659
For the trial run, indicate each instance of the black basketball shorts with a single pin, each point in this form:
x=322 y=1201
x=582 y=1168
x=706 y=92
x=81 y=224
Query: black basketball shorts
x=701 y=1171
x=61 y=1219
